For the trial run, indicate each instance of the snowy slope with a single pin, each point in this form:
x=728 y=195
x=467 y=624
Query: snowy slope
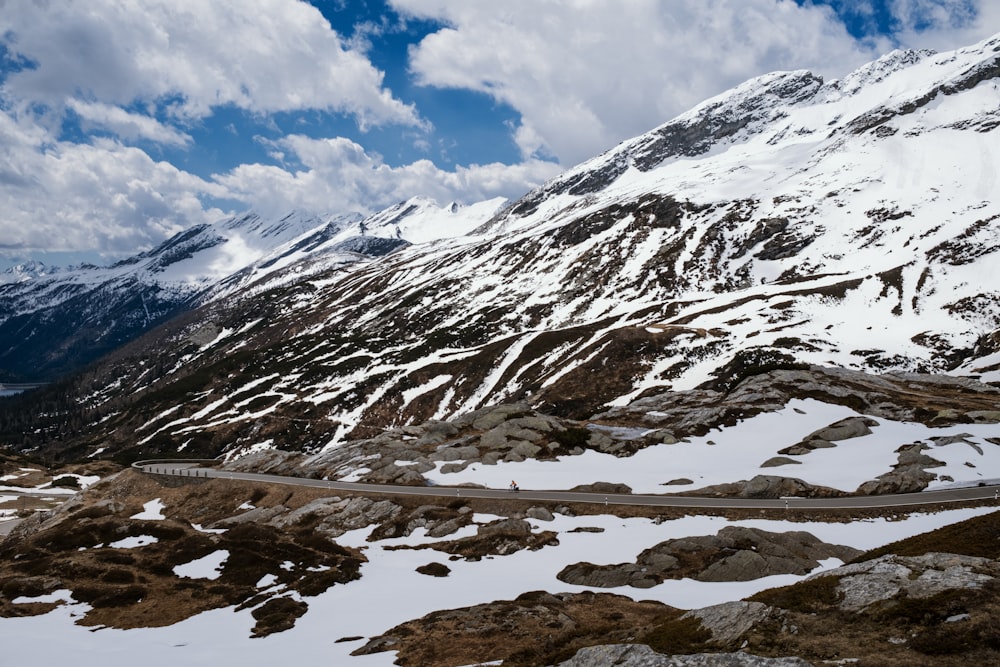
x=86 y=311
x=849 y=223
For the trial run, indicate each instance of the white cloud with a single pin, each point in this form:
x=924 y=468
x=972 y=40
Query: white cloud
x=61 y=196
x=190 y=55
x=585 y=75
x=944 y=24
x=129 y=126
x=339 y=175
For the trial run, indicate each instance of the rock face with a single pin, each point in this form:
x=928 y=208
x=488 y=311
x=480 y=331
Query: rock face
x=734 y=554
x=731 y=620
x=865 y=584
x=640 y=655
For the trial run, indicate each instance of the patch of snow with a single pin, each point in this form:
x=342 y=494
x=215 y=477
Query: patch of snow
x=62 y=595
x=133 y=542
x=206 y=567
x=151 y=511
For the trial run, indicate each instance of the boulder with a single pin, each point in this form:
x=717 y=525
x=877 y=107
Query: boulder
x=845 y=429
x=493 y=439
x=525 y=448
x=539 y=514
x=729 y=621
x=776 y=461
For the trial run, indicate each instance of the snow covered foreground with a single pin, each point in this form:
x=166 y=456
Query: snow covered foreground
x=390 y=592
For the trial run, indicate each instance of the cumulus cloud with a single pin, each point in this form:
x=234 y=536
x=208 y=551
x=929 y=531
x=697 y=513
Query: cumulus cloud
x=63 y=196
x=582 y=74
x=338 y=174
x=191 y=56
x=130 y=126
x=59 y=196
x=585 y=75
x=943 y=24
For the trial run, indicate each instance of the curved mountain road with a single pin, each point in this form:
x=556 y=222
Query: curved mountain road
x=193 y=468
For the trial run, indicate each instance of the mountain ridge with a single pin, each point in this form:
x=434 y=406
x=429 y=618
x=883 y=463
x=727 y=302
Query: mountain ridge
x=804 y=236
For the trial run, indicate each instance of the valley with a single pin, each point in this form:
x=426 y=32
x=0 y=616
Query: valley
x=743 y=368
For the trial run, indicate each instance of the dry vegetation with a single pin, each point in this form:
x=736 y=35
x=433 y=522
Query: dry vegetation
x=137 y=587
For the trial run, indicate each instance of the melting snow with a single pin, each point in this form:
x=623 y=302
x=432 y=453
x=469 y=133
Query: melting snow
x=206 y=567
x=151 y=511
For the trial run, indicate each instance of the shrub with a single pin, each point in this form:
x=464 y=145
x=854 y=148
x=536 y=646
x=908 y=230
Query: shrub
x=806 y=596
x=678 y=636
x=572 y=437
x=67 y=481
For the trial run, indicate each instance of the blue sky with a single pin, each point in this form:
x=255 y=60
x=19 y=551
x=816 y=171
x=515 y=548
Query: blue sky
x=122 y=122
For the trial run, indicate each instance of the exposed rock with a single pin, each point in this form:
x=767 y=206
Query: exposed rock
x=436 y=520
x=640 y=655
x=845 y=429
x=337 y=516
x=928 y=399
x=506 y=527
x=530 y=627
x=730 y=620
x=525 y=448
x=907 y=476
x=777 y=461
x=767 y=486
x=735 y=554
x=539 y=514
x=434 y=570
x=255 y=515
x=490 y=417
x=455 y=453
x=864 y=584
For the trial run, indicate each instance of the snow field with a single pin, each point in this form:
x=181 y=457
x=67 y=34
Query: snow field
x=390 y=592
x=736 y=453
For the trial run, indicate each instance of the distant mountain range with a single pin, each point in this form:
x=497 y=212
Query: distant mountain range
x=54 y=321
x=788 y=222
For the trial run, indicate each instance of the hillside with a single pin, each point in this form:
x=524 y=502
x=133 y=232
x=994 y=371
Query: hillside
x=788 y=222
x=53 y=321
x=787 y=292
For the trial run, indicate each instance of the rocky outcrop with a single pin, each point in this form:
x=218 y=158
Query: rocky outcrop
x=640 y=655
x=511 y=432
x=845 y=429
x=497 y=538
x=862 y=585
x=529 y=629
x=928 y=399
x=767 y=486
x=729 y=621
x=734 y=554
x=909 y=475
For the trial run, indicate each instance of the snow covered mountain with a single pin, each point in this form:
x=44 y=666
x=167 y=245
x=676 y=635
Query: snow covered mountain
x=53 y=320
x=788 y=222
x=789 y=291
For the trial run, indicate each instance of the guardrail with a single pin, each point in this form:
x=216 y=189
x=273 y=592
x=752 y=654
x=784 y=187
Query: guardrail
x=164 y=467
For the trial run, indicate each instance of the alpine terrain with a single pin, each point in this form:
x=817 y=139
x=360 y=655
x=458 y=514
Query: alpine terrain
x=788 y=292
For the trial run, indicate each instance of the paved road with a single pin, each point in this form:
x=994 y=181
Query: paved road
x=194 y=469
